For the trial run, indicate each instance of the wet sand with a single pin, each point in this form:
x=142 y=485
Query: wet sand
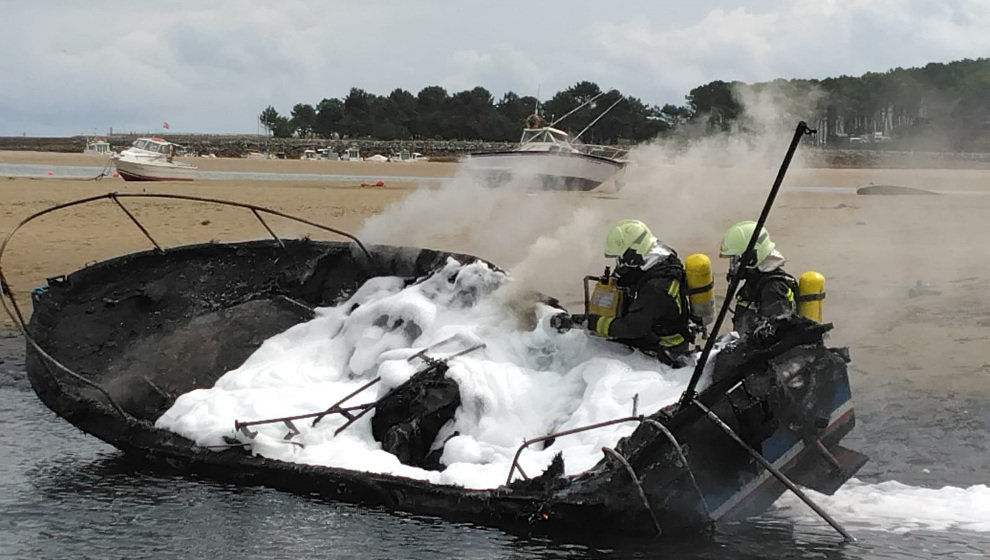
x=907 y=276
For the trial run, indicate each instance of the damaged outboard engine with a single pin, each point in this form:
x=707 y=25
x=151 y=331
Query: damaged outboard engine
x=408 y=419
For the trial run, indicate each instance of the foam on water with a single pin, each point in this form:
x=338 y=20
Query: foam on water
x=898 y=508
x=527 y=381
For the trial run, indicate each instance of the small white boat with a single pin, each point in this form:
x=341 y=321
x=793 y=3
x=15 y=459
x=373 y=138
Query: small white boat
x=548 y=158
x=152 y=159
x=351 y=154
x=97 y=146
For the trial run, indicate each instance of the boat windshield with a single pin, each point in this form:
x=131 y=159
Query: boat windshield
x=151 y=145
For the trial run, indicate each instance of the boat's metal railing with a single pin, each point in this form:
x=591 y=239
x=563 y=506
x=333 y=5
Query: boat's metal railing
x=682 y=459
x=617 y=153
x=9 y=302
x=640 y=418
x=515 y=466
x=639 y=486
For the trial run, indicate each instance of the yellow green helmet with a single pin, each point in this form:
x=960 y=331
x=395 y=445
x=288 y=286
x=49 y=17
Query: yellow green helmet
x=736 y=239
x=628 y=234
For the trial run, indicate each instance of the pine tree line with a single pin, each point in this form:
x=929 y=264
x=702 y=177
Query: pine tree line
x=948 y=102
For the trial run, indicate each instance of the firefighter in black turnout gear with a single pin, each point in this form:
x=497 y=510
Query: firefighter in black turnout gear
x=767 y=291
x=656 y=314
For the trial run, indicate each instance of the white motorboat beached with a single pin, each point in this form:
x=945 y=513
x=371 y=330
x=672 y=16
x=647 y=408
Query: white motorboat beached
x=549 y=158
x=152 y=159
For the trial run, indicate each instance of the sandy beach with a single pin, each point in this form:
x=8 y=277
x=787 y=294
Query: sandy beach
x=906 y=275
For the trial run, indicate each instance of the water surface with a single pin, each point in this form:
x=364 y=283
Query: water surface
x=68 y=495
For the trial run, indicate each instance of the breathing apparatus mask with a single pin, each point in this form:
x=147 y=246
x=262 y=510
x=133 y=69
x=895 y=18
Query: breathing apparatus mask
x=629 y=259
x=631 y=266
x=737 y=267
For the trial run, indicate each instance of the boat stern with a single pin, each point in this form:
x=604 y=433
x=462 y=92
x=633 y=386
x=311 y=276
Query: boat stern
x=801 y=435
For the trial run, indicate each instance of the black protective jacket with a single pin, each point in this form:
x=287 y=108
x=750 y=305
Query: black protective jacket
x=657 y=315
x=763 y=295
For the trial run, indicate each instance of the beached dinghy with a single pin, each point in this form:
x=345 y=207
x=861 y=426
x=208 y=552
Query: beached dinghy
x=113 y=346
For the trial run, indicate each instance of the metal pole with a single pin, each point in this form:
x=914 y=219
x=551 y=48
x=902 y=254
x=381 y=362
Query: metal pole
x=689 y=393
x=773 y=470
x=598 y=118
x=569 y=113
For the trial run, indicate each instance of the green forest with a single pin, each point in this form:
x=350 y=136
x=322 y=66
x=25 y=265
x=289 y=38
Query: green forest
x=941 y=106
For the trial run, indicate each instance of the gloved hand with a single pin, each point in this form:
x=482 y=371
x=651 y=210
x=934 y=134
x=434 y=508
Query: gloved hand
x=564 y=322
x=598 y=324
x=764 y=332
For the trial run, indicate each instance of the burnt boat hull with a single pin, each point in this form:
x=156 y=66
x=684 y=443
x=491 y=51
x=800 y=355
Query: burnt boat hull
x=147 y=327
x=149 y=324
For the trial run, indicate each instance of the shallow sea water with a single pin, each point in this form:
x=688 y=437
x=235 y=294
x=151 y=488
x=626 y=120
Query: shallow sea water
x=38 y=170
x=91 y=172
x=67 y=495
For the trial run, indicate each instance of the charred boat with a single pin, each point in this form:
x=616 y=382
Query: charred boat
x=110 y=347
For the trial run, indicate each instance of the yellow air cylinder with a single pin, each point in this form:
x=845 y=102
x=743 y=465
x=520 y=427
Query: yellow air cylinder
x=701 y=286
x=811 y=295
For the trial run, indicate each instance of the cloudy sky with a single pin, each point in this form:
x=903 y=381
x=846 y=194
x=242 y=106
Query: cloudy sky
x=71 y=67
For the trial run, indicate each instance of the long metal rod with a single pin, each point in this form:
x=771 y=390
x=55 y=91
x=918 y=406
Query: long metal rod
x=690 y=392
x=572 y=111
x=270 y=232
x=335 y=406
x=598 y=118
x=332 y=410
x=356 y=417
x=773 y=470
x=113 y=197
